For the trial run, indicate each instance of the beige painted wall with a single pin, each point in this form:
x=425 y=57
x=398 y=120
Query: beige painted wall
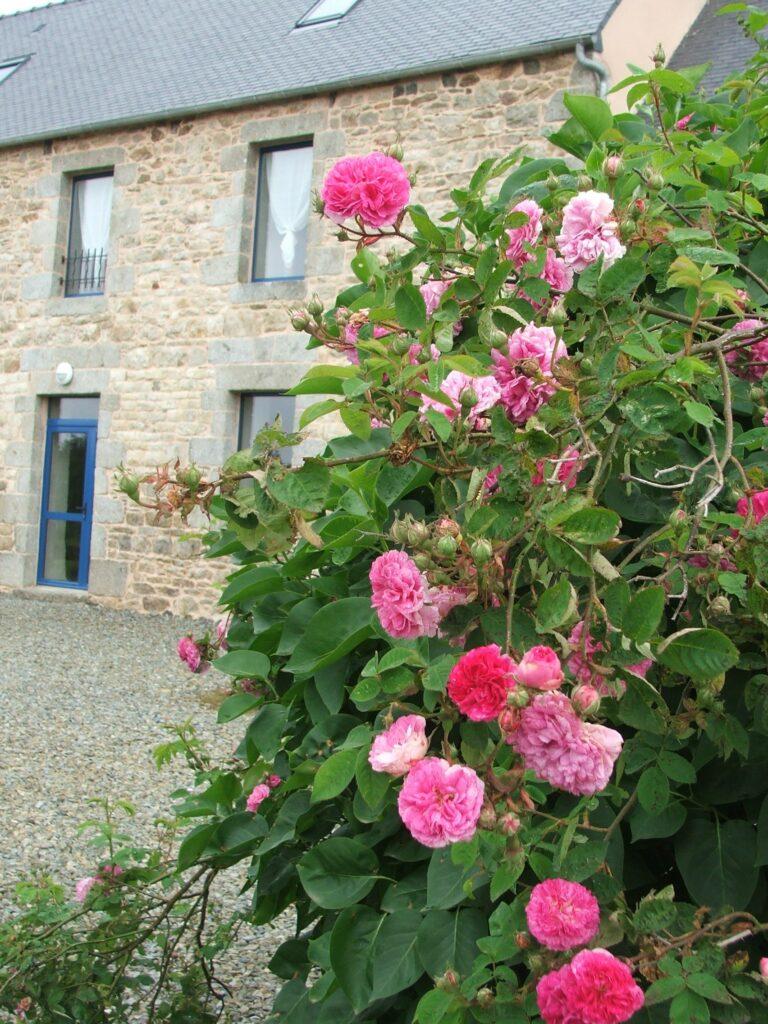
x=635 y=29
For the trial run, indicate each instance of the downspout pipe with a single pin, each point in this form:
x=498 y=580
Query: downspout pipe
x=597 y=67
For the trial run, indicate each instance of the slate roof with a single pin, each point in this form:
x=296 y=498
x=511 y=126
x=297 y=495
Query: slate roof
x=715 y=39
x=100 y=63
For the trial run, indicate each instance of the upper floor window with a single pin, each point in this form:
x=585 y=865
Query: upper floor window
x=259 y=409
x=8 y=67
x=88 y=245
x=325 y=10
x=282 y=212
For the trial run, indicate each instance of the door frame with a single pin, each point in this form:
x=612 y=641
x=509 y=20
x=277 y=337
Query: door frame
x=69 y=426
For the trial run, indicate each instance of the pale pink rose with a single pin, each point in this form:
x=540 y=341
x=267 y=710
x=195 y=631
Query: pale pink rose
x=589 y=231
x=525 y=235
x=352 y=330
x=594 y=988
x=522 y=395
x=683 y=122
x=401 y=597
x=582 y=648
x=455 y=384
x=560 y=748
x=557 y=273
x=440 y=803
x=562 y=914
x=479 y=682
x=256 y=797
x=764 y=967
x=640 y=668
x=415 y=351
x=189 y=653
x=756 y=503
x=447 y=598
x=373 y=188
x=586 y=699
x=273 y=781
x=221 y=634
x=432 y=292
x=569 y=465
x=750 y=362
x=83 y=887
x=397 y=749
x=539 y=669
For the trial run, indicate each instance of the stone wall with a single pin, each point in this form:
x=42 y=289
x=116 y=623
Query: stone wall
x=181 y=330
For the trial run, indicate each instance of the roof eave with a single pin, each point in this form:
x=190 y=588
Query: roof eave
x=351 y=82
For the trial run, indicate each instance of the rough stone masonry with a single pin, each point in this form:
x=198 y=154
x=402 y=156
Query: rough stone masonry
x=181 y=330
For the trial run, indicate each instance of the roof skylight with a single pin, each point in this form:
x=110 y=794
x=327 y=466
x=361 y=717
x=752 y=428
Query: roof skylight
x=325 y=10
x=8 y=67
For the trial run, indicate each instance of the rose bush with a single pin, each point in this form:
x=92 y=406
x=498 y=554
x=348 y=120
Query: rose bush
x=501 y=648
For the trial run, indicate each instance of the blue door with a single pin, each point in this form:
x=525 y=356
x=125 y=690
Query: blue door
x=67 y=505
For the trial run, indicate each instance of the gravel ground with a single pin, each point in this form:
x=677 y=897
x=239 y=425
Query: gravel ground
x=84 y=695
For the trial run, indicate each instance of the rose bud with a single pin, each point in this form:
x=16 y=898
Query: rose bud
x=518 y=698
x=586 y=699
x=468 y=398
x=482 y=552
x=613 y=166
x=447 y=546
x=540 y=669
x=509 y=719
x=401 y=345
x=315 y=306
x=509 y=823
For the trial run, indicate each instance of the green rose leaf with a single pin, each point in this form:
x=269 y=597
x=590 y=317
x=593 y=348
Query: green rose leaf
x=334 y=775
x=396 y=963
x=410 y=308
x=643 y=614
x=717 y=862
x=591 y=526
x=338 y=872
x=243 y=664
x=698 y=653
x=334 y=630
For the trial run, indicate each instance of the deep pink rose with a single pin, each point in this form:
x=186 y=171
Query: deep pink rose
x=491 y=482
x=589 y=231
x=569 y=465
x=562 y=749
x=757 y=503
x=256 y=797
x=479 y=682
x=374 y=188
x=273 y=781
x=440 y=803
x=401 y=597
x=562 y=914
x=594 y=988
x=397 y=749
x=455 y=384
x=525 y=235
x=764 y=967
x=683 y=122
x=640 y=668
x=750 y=362
x=539 y=669
x=189 y=653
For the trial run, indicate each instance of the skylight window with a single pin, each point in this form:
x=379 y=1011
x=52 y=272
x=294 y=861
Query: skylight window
x=8 y=67
x=326 y=10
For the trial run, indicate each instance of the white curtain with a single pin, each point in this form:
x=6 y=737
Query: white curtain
x=94 y=201
x=290 y=176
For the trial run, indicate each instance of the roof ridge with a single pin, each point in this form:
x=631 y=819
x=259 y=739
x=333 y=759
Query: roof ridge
x=40 y=7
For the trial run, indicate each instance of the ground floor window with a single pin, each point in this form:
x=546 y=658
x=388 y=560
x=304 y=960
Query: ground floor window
x=261 y=408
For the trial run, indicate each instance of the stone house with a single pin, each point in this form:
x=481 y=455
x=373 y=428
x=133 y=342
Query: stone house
x=156 y=164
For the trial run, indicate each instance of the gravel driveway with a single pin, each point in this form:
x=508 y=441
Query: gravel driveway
x=84 y=694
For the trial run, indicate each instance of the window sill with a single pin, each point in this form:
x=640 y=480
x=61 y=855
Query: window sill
x=259 y=291
x=76 y=305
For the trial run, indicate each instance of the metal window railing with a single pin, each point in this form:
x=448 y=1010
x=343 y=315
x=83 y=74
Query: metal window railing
x=86 y=272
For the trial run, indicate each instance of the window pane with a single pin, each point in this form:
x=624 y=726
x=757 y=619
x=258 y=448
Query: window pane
x=8 y=69
x=260 y=410
x=326 y=10
x=66 y=486
x=74 y=407
x=62 y=551
x=282 y=213
x=89 y=235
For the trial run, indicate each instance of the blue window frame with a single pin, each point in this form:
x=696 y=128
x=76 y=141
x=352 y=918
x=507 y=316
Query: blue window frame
x=67 y=503
x=282 y=212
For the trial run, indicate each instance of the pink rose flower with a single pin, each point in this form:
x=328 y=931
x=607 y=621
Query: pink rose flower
x=83 y=887
x=699 y=561
x=521 y=394
x=557 y=273
x=765 y=419
x=525 y=235
x=352 y=329
x=256 y=797
x=562 y=914
x=750 y=362
x=589 y=231
x=189 y=653
x=399 y=747
x=109 y=872
x=491 y=482
x=273 y=781
x=583 y=647
x=640 y=668
x=683 y=122
x=221 y=635
x=401 y=597
x=569 y=465
x=440 y=803
x=764 y=967
x=374 y=188
x=487 y=390
x=594 y=988
x=562 y=749
x=445 y=599
x=756 y=503
x=479 y=682
x=539 y=669
x=432 y=292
